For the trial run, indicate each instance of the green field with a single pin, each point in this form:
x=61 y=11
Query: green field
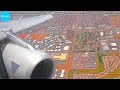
x=84 y=41
x=112 y=75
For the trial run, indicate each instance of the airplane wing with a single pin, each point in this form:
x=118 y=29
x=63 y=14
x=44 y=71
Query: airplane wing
x=19 y=25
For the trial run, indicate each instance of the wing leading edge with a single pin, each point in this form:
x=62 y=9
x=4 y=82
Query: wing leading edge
x=19 y=25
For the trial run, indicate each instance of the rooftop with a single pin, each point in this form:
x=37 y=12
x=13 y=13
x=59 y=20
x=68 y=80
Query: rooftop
x=61 y=57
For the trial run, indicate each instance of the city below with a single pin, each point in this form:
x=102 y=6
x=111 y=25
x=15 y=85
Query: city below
x=83 y=44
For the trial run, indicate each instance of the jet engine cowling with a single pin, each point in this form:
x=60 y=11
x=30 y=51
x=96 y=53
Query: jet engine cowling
x=23 y=63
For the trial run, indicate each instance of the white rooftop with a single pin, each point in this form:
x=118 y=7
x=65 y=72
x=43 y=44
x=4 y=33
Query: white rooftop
x=115 y=48
x=101 y=33
x=61 y=75
x=63 y=71
x=114 y=44
x=66 y=48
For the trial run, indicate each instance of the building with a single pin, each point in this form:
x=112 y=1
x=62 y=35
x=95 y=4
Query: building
x=114 y=44
x=61 y=56
x=66 y=48
x=106 y=48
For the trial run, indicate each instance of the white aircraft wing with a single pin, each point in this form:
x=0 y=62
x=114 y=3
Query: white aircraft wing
x=19 y=25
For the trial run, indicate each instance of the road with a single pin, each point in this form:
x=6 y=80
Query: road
x=71 y=53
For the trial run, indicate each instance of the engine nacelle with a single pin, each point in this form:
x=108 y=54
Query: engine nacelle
x=23 y=63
